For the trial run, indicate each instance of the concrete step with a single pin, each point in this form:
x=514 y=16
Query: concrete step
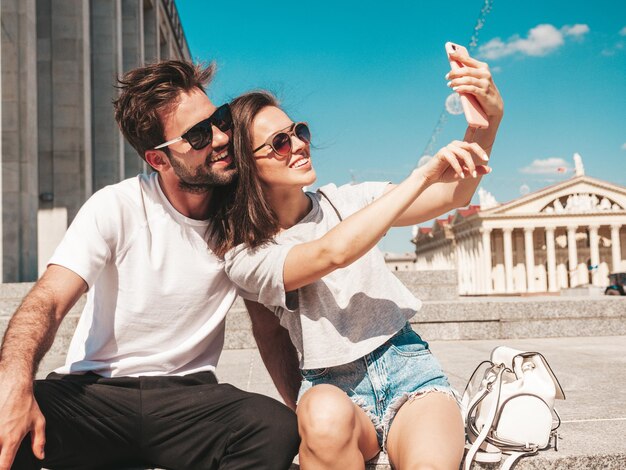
x=489 y=318
x=426 y=285
x=431 y=285
x=463 y=318
x=521 y=317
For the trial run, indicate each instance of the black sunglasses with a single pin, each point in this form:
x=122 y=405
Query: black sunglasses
x=281 y=140
x=201 y=134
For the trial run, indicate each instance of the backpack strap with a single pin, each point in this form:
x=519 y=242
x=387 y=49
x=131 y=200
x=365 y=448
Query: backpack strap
x=492 y=387
x=331 y=204
x=514 y=457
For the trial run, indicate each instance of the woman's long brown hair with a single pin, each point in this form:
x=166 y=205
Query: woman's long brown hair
x=240 y=213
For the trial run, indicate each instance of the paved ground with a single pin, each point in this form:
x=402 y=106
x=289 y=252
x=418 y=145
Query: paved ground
x=592 y=371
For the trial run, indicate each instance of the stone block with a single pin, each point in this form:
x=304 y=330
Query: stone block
x=102 y=9
x=69 y=95
x=68 y=49
x=66 y=72
x=68 y=8
x=10 y=90
x=103 y=34
x=10 y=183
x=10 y=115
x=15 y=290
x=51 y=227
x=67 y=180
x=67 y=116
x=10 y=23
x=44 y=50
x=105 y=138
x=44 y=28
x=10 y=145
x=67 y=142
x=64 y=25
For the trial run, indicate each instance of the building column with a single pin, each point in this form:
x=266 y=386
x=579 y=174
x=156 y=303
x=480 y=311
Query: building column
x=594 y=250
x=476 y=271
x=459 y=261
x=616 y=250
x=573 y=256
x=18 y=148
x=132 y=56
x=106 y=62
x=486 y=240
x=529 y=250
x=508 y=258
x=464 y=264
x=551 y=258
x=480 y=273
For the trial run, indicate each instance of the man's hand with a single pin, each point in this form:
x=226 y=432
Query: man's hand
x=19 y=415
x=27 y=339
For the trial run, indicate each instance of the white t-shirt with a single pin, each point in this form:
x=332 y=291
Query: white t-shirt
x=157 y=295
x=342 y=316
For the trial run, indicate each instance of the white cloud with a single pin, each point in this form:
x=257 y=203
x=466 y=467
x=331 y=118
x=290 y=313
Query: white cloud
x=611 y=51
x=546 y=166
x=622 y=32
x=540 y=41
x=624 y=146
x=576 y=30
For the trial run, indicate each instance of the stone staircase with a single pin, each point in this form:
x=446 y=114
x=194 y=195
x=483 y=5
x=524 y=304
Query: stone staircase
x=444 y=315
x=583 y=337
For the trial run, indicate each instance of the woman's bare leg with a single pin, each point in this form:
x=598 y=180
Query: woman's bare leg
x=335 y=433
x=427 y=433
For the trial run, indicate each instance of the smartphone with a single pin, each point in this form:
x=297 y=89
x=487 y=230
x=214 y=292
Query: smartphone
x=474 y=113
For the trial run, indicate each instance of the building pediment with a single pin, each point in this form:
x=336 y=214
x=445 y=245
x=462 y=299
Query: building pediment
x=579 y=195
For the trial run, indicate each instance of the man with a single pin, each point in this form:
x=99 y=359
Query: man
x=138 y=386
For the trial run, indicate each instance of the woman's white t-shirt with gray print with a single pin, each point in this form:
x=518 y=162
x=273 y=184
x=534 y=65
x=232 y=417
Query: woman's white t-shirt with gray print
x=347 y=313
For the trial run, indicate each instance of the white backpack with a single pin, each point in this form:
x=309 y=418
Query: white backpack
x=508 y=407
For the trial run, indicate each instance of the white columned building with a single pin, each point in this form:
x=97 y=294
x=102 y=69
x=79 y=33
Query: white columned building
x=566 y=235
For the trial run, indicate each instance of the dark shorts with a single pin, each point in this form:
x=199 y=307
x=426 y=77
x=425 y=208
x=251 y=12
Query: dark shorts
x=175 y=422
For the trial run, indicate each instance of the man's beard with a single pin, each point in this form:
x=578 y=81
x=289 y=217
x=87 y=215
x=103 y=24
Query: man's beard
x=201 y=179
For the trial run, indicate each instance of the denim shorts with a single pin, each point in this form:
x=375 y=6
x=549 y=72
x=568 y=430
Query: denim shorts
x=383 y=380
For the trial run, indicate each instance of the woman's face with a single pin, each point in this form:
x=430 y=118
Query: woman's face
x=294 y=169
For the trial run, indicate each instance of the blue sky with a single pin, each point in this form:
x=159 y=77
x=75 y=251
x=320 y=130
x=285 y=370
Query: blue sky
x=369 y=78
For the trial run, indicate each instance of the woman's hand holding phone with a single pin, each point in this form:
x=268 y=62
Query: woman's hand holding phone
x=472 y=79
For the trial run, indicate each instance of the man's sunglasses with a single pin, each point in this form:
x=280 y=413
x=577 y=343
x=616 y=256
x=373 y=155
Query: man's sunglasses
x=281 y=140
x=200 y=135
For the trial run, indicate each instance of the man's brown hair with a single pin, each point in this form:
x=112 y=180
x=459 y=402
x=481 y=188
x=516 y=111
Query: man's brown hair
x=151 y=91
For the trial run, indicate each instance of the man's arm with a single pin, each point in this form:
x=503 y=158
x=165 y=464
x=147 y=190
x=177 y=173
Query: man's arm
x=28 y=337
x=277 y=351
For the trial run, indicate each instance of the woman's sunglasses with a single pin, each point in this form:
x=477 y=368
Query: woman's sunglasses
x=200 y=135
x=281 y=140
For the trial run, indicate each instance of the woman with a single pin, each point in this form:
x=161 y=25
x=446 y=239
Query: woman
x=369 y=381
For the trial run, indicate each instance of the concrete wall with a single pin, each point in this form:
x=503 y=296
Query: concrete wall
x=60 y=142
x=19 y=140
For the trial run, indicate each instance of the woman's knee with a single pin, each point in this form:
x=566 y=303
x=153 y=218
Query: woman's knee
x=326 y=416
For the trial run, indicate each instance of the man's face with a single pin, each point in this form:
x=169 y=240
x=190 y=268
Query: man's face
x=198 y=170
